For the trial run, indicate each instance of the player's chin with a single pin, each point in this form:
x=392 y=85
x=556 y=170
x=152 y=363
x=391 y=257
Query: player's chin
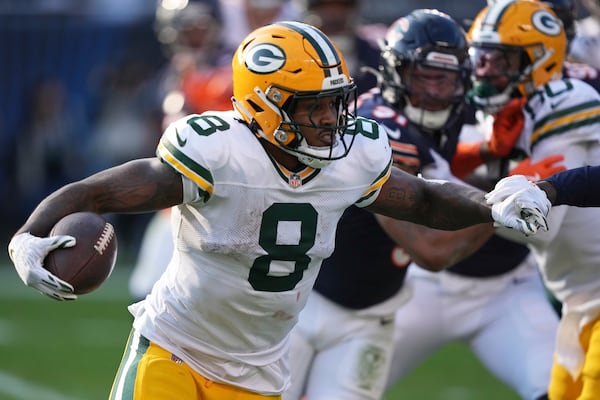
x=326 y=139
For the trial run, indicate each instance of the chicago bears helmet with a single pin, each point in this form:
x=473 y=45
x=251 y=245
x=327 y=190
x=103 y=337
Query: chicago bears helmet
x=279 y=64
x=508 y=32
x=427 y=39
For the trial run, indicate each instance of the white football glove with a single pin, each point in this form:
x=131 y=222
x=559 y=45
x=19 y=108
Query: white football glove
x=27 y=253
x=524 y=211
x=506 y=187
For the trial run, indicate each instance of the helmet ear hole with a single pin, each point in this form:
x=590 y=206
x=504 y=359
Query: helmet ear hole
x=289 y=105
x=254 y=106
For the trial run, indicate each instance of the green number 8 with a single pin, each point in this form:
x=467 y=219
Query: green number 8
x=306 y=215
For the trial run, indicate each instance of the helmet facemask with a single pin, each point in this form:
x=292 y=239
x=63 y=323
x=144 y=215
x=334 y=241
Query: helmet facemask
x=512 y=66
x=289 y=134
x=523 y=37
x=497 y=73
x=434 y=92
x=424 y=68
x=429 y=89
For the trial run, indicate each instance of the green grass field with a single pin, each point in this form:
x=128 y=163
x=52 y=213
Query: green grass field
x=70 y=351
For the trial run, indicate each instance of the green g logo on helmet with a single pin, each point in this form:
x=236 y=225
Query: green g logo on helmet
x=546 y=23
x=264 y=58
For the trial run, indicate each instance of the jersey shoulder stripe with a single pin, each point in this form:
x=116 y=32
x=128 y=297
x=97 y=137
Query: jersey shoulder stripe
x=561 y=107
x=186 y=166
x=376 y=185
x=564 y=120
x=196 y=145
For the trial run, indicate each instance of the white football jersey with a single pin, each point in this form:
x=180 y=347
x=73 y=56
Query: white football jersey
x=564 y=118
x=249 y=241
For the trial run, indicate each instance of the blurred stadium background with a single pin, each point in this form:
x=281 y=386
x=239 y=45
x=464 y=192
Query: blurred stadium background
x=76 y=96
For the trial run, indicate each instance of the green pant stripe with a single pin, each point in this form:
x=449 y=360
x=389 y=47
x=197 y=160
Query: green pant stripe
x=124 y=383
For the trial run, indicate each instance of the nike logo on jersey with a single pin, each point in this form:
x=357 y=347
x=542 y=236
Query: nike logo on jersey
x=386 y=320
x=557 y=103
x=394 y=134
x=180 y=141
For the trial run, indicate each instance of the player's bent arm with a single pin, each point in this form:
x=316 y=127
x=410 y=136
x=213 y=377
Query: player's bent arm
x=446 y=205
x=136 y=186
x=435 y=249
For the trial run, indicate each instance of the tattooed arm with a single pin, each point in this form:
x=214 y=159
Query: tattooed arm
x=447 y=205
x=137 y=186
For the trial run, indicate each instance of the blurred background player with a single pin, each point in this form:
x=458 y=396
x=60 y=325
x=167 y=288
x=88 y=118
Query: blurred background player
x=582 y=60
x=493 y=300
x=153 y=256
x=198 y=75
x=341 y=345
x=341 y=20
x=515 y=55
x=565 y=10
x=240 y=17
x=585 y=47
x=197 y=78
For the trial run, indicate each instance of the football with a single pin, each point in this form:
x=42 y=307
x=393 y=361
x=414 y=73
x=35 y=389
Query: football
x=90 y=262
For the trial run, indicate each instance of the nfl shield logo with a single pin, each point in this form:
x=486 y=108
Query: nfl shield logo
x=295 y=180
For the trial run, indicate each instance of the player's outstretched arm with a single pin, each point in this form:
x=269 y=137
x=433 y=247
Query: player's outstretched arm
x=575 y=187
x=451 y=206
x=441 y=205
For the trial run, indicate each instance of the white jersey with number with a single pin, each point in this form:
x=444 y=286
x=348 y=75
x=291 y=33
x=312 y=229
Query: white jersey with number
x=249 y=241
x=564 y=118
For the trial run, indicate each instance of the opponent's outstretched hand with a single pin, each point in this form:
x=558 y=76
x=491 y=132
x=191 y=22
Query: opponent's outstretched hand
x=519 y=204
x=27 y=253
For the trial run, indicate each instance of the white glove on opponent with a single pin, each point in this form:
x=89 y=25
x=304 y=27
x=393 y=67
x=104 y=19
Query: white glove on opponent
x=519 y=204
x=27 y=253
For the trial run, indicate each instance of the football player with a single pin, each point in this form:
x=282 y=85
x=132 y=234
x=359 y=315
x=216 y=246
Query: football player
x=257 y=193
x=493 y=301
x=497 y=152
x=518 y=51
x=342 y=345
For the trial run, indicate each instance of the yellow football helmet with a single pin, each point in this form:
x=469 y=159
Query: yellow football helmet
x=279 y=64
x=526 y=29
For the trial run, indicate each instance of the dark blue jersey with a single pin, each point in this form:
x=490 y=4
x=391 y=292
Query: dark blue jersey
x=364 y=268
x=578 y=187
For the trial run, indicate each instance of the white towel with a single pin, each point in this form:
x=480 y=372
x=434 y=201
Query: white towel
x=576 y=315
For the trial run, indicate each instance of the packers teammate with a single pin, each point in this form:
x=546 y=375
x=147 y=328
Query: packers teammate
x=518 y=49
x=257 y=194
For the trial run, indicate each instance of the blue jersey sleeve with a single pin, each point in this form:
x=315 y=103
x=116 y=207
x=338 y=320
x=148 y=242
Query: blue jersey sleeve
x=578 y=187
